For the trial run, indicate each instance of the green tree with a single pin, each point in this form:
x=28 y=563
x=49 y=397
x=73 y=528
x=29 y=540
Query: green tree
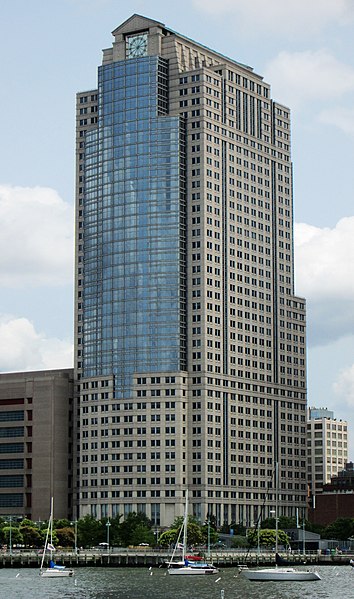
x=267 y=537
x=114 y=538
x=239 y=529
x=16 y=536
x=212 y=521
x=134 y=526
x=169 y=537
x=61 y=523
x=196 y=534
x=268 y=523
x=90 y=532
x=213 y=535
x=285 y=522
x=28 y=522
x=341 y=529
x=317 y=528
x=143 y=534
x=66 y=536
x=31 y=535
x=239 y=541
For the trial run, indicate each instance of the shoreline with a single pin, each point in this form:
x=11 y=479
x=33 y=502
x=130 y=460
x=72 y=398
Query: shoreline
x=129 y=558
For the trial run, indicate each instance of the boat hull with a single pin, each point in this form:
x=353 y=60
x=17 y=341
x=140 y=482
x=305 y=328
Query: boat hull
x=275 y=574
x=192 y=571
x=53 y=573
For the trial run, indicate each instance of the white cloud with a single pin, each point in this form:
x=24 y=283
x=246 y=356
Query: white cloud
x=344 y=385
x=325 y=277
x=340 y=117
x=283 y=16
x=324 y=261
x=310 y=75
x=22 y=348
x=36 y=242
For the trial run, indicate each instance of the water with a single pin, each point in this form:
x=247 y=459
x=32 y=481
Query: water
x=142 y=583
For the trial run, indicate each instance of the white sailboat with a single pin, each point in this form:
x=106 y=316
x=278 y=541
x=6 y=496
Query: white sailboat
x=279 y=573
x=53 y=571
x=186 y=566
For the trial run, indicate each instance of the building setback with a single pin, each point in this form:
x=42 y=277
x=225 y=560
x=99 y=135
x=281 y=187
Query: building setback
x=190 y=343
x=36 y=443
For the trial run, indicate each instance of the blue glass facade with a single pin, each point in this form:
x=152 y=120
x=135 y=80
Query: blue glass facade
x=134 y=300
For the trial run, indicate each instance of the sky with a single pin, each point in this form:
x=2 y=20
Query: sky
x=51 y=50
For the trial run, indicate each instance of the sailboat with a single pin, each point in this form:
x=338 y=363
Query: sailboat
x=54 y=571
x=186 y=566
x=279 y=573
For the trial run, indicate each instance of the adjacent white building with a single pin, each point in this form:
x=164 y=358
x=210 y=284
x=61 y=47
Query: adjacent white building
x=327 y=445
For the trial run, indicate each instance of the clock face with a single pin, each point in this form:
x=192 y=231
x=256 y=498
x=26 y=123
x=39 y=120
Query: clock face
x=137 y=45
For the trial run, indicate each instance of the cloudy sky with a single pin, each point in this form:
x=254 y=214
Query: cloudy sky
x=50 y=50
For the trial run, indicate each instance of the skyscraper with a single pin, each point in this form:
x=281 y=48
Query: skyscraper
x=190 y=342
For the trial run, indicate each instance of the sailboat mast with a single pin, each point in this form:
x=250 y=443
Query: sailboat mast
x=276 y=505
x=185 y=527
x=49 y=531
x=51 y=521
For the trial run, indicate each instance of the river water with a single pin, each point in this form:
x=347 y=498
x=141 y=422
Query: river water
x=142 y=583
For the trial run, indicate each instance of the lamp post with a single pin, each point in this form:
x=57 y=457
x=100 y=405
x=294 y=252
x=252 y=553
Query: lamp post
x=276 y=528
x=208 y=538
x=258 y=535
x=108 y=524
x=207 y=522
x=10 y=518
x=75 y=535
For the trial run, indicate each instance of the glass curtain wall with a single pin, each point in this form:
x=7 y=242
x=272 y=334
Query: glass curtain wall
x=134 y=267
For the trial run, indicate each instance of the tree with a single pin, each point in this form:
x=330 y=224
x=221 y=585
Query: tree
x=267 y=537
x=142 y=534
x=317 y=528
x=194 y=533
x=341 y=529
x=197 y=534
x=90 y=531
x=169 y=537
x=66 y=536
x=134 y=527
x=16 y=536
x=239 y=529
x=211 y=534
x=285 y=522
x=239 y=541
x=114 y=538
x=212 y=521
x=268 y=523
x=31 y=535
x=62 y=523
x=28 y=522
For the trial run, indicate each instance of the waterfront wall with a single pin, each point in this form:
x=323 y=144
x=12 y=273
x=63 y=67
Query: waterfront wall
x=130 y=558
